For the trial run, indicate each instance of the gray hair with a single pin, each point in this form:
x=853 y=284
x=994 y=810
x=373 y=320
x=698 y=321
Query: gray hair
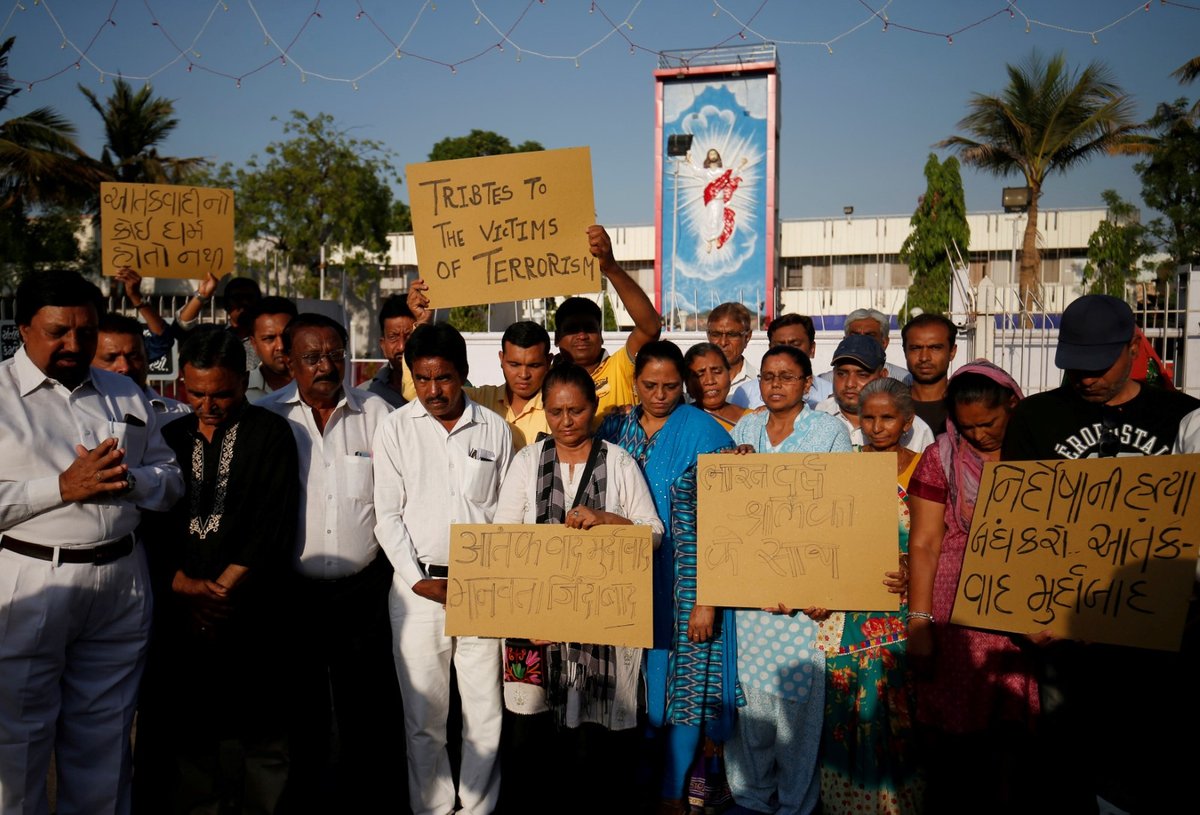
x=885 y=322
x=897 y=390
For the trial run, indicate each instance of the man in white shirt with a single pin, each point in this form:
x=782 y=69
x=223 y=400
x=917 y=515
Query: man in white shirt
x=729 y=330
x=439 y=461
x=344 y=681
x=83 y=456
x=858 y=360
x=870 y=322
x=120 y=349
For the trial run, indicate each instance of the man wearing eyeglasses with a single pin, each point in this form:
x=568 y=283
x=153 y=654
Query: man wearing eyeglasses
x=1101 y=703
x=729 y=330
x=344 y=686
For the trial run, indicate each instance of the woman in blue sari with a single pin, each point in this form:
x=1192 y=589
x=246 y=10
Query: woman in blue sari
x=691 y=671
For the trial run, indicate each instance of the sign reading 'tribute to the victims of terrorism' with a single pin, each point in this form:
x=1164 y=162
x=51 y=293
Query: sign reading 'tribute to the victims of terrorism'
x=502 y=228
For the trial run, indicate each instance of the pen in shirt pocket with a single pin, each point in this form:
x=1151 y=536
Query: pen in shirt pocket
x=363 y=453
x=482 y=455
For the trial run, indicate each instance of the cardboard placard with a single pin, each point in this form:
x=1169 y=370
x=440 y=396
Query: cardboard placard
x=10 y=339
x=501 y=228
x=1100 y=550
x=802 y=529
x=548 y=582
x=166 y=230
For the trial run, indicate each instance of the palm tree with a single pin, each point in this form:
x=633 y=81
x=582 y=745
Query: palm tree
x=40 y=163
x=135 y=123
x=1047 y=120
x=1188 y=71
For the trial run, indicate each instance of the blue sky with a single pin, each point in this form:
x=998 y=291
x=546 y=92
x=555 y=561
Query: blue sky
x=857 y=123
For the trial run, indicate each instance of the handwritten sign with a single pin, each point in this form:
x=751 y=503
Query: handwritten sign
x=802 y=529
x=1101 y=550
x=165 y=230
x=501 y=228
x=548 y=582
x=10 y=339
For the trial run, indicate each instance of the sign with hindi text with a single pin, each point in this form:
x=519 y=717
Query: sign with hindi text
x=501 y=228
x=550 y=582
x=166 y=230
x=802 y=529
x=1099 y=549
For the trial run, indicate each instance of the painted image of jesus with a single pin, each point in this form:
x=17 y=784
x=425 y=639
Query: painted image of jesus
x=719 y=186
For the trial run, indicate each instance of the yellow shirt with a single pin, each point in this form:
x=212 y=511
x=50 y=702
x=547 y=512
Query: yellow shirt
x=614 y=383
x=525 y=426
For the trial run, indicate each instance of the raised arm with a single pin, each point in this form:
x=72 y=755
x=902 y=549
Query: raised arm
x=190 y=312
x=646 y=321
x=132 y=282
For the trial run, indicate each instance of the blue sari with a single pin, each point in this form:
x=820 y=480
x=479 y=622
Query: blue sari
x=688 y=683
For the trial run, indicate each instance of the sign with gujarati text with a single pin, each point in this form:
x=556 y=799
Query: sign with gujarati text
x=501 y=228
x=10 y=339
x=166 y=230
x=1099 y=549
x=550 y=582
x=802 y=529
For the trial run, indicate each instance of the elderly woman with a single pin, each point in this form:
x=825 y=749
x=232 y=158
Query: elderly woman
x=690 y=671
x=772 y=758
x=979 y=704
x=575 y=705
x=869 y=759
x=709 y=382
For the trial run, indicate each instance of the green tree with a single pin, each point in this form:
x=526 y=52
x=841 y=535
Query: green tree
x=938 y=225
x=1170 y=176
x=1116 y=248
x=479 y=143
x=317 y=188
x=1047 y=120
x=135 y=124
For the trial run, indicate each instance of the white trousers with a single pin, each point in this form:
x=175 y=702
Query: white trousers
x=423 y=653
x=72 y=649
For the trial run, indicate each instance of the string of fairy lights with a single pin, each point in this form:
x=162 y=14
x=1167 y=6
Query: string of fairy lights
x=879 y=16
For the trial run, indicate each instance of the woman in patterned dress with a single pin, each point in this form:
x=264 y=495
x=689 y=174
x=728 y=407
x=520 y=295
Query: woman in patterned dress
x=868 y=755
x=772 y=758
x=690 y=671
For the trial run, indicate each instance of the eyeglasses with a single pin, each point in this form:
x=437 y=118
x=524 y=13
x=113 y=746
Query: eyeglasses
x=782 y=379
x=715 y=336
x=334 y=357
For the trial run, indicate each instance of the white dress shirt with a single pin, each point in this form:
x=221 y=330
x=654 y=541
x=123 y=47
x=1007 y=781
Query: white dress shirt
x=743 y=388
x=335 y=536
x=41 y=421
x=916 y=438
x=427 y=479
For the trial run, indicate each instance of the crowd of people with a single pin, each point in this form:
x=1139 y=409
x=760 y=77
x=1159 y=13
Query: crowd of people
x=259 y=573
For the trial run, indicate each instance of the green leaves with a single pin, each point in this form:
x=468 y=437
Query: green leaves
x=938 y=224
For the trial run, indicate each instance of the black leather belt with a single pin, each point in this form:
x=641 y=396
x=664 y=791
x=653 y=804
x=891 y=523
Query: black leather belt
x=437 y=572
x=97 y=555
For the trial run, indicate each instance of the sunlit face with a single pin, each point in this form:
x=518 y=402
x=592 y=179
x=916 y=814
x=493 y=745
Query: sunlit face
x=782 y=383
x=524 y=369
x=123 y=354
x=61 y=341
x=215 y=394
x=1102 y=387
x=927 y=351
x=795 y=336
x=848 y=380
x=268 y=341
x=708 y=381
x=730 y=336
x=659 y=387
x=317 y=374
x=580 y=339
x=439 y=387
x=396 y=331
x=983 y=426
x=882 y=422
x=868 y=327
x=569 y=414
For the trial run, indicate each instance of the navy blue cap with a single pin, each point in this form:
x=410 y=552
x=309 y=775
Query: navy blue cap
x=862 y=350
x=1093 y=332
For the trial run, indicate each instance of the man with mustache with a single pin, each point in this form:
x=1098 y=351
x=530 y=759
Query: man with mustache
x=439 y=461
x=268 y=317
x=929 y=347
x=121 y=349
x=83 y=456
x=211 y=726
x=343 y=684
x=524 y=361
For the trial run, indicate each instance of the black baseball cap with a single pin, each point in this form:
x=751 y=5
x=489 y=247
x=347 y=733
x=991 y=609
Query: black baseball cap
x=863 y=351
x=1093 y=332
